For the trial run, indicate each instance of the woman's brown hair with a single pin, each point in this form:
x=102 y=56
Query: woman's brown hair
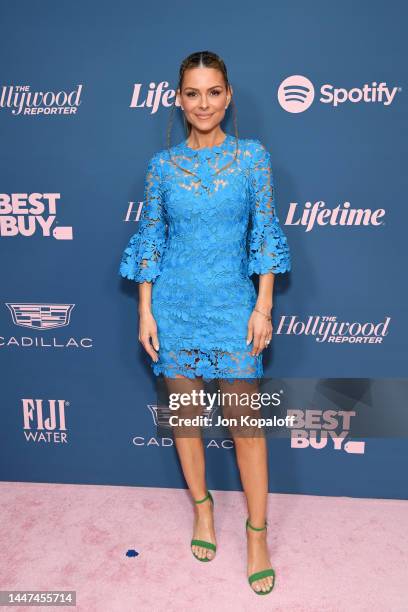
x=201 y=59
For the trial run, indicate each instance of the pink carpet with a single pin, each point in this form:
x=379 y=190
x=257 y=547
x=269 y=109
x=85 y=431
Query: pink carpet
x=330 y=554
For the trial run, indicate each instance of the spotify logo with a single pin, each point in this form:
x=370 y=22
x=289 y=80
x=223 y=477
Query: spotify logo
x=296 y=93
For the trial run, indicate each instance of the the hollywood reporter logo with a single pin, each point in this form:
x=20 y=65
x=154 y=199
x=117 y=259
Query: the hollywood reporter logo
x=23 y=214
x=44 y=420
x=22 y=100
x=330 y=329
x=133 y=214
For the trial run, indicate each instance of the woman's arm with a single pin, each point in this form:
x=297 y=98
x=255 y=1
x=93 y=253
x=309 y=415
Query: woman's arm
x=265 y=293
x=145 y=298
x=147 y=323
x=141 y=260
x=268 y=247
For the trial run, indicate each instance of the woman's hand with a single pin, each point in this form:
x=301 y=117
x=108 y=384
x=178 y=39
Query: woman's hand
x=260 y=331
x=147 y=330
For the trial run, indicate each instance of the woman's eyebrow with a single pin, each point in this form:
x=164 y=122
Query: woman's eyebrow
x=195 y=88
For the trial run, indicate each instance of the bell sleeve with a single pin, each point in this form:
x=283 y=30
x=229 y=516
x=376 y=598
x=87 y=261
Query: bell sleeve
x=141 y=260
x=268 y=249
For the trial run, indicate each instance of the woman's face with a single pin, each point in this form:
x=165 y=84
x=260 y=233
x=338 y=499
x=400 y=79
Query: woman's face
x=204 y=97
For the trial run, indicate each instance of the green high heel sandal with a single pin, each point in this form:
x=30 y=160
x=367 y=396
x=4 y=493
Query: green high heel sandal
x=203 y=543
x=263 y=573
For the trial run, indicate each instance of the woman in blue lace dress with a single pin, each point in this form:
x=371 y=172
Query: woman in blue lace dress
x=208 y=223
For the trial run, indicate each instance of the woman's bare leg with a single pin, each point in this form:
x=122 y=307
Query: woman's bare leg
x=190 y=451
x=252 y=459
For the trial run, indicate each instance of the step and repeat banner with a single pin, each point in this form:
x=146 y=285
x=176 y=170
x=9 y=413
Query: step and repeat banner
x=86 y=92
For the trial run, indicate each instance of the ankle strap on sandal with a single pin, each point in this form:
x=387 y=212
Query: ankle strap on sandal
x=248 y=524
x=200 y=501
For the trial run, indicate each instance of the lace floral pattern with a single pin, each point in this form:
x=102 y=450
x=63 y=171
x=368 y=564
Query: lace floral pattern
x=268 y=247
x=142 y=257
x=208 y=223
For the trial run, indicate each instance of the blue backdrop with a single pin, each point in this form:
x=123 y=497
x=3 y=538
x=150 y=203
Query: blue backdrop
x=85 y=97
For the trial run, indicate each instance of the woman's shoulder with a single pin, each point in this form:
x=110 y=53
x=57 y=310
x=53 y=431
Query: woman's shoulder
x=158 y=158
x=256 y=152
x=157 y=155
x=253 y=144
x=164 y=154
x=246 y=145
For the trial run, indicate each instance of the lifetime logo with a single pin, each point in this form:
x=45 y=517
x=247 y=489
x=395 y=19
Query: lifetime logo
x=315 y=214
x=296 y=94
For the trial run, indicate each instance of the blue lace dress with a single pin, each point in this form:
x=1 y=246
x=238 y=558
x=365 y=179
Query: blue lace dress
x=208 y=223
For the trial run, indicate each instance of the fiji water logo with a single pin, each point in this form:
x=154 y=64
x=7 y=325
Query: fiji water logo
x=22 y=100
x=45 y=420
x=296 y=94
x=28 y=214
x=40 y=316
